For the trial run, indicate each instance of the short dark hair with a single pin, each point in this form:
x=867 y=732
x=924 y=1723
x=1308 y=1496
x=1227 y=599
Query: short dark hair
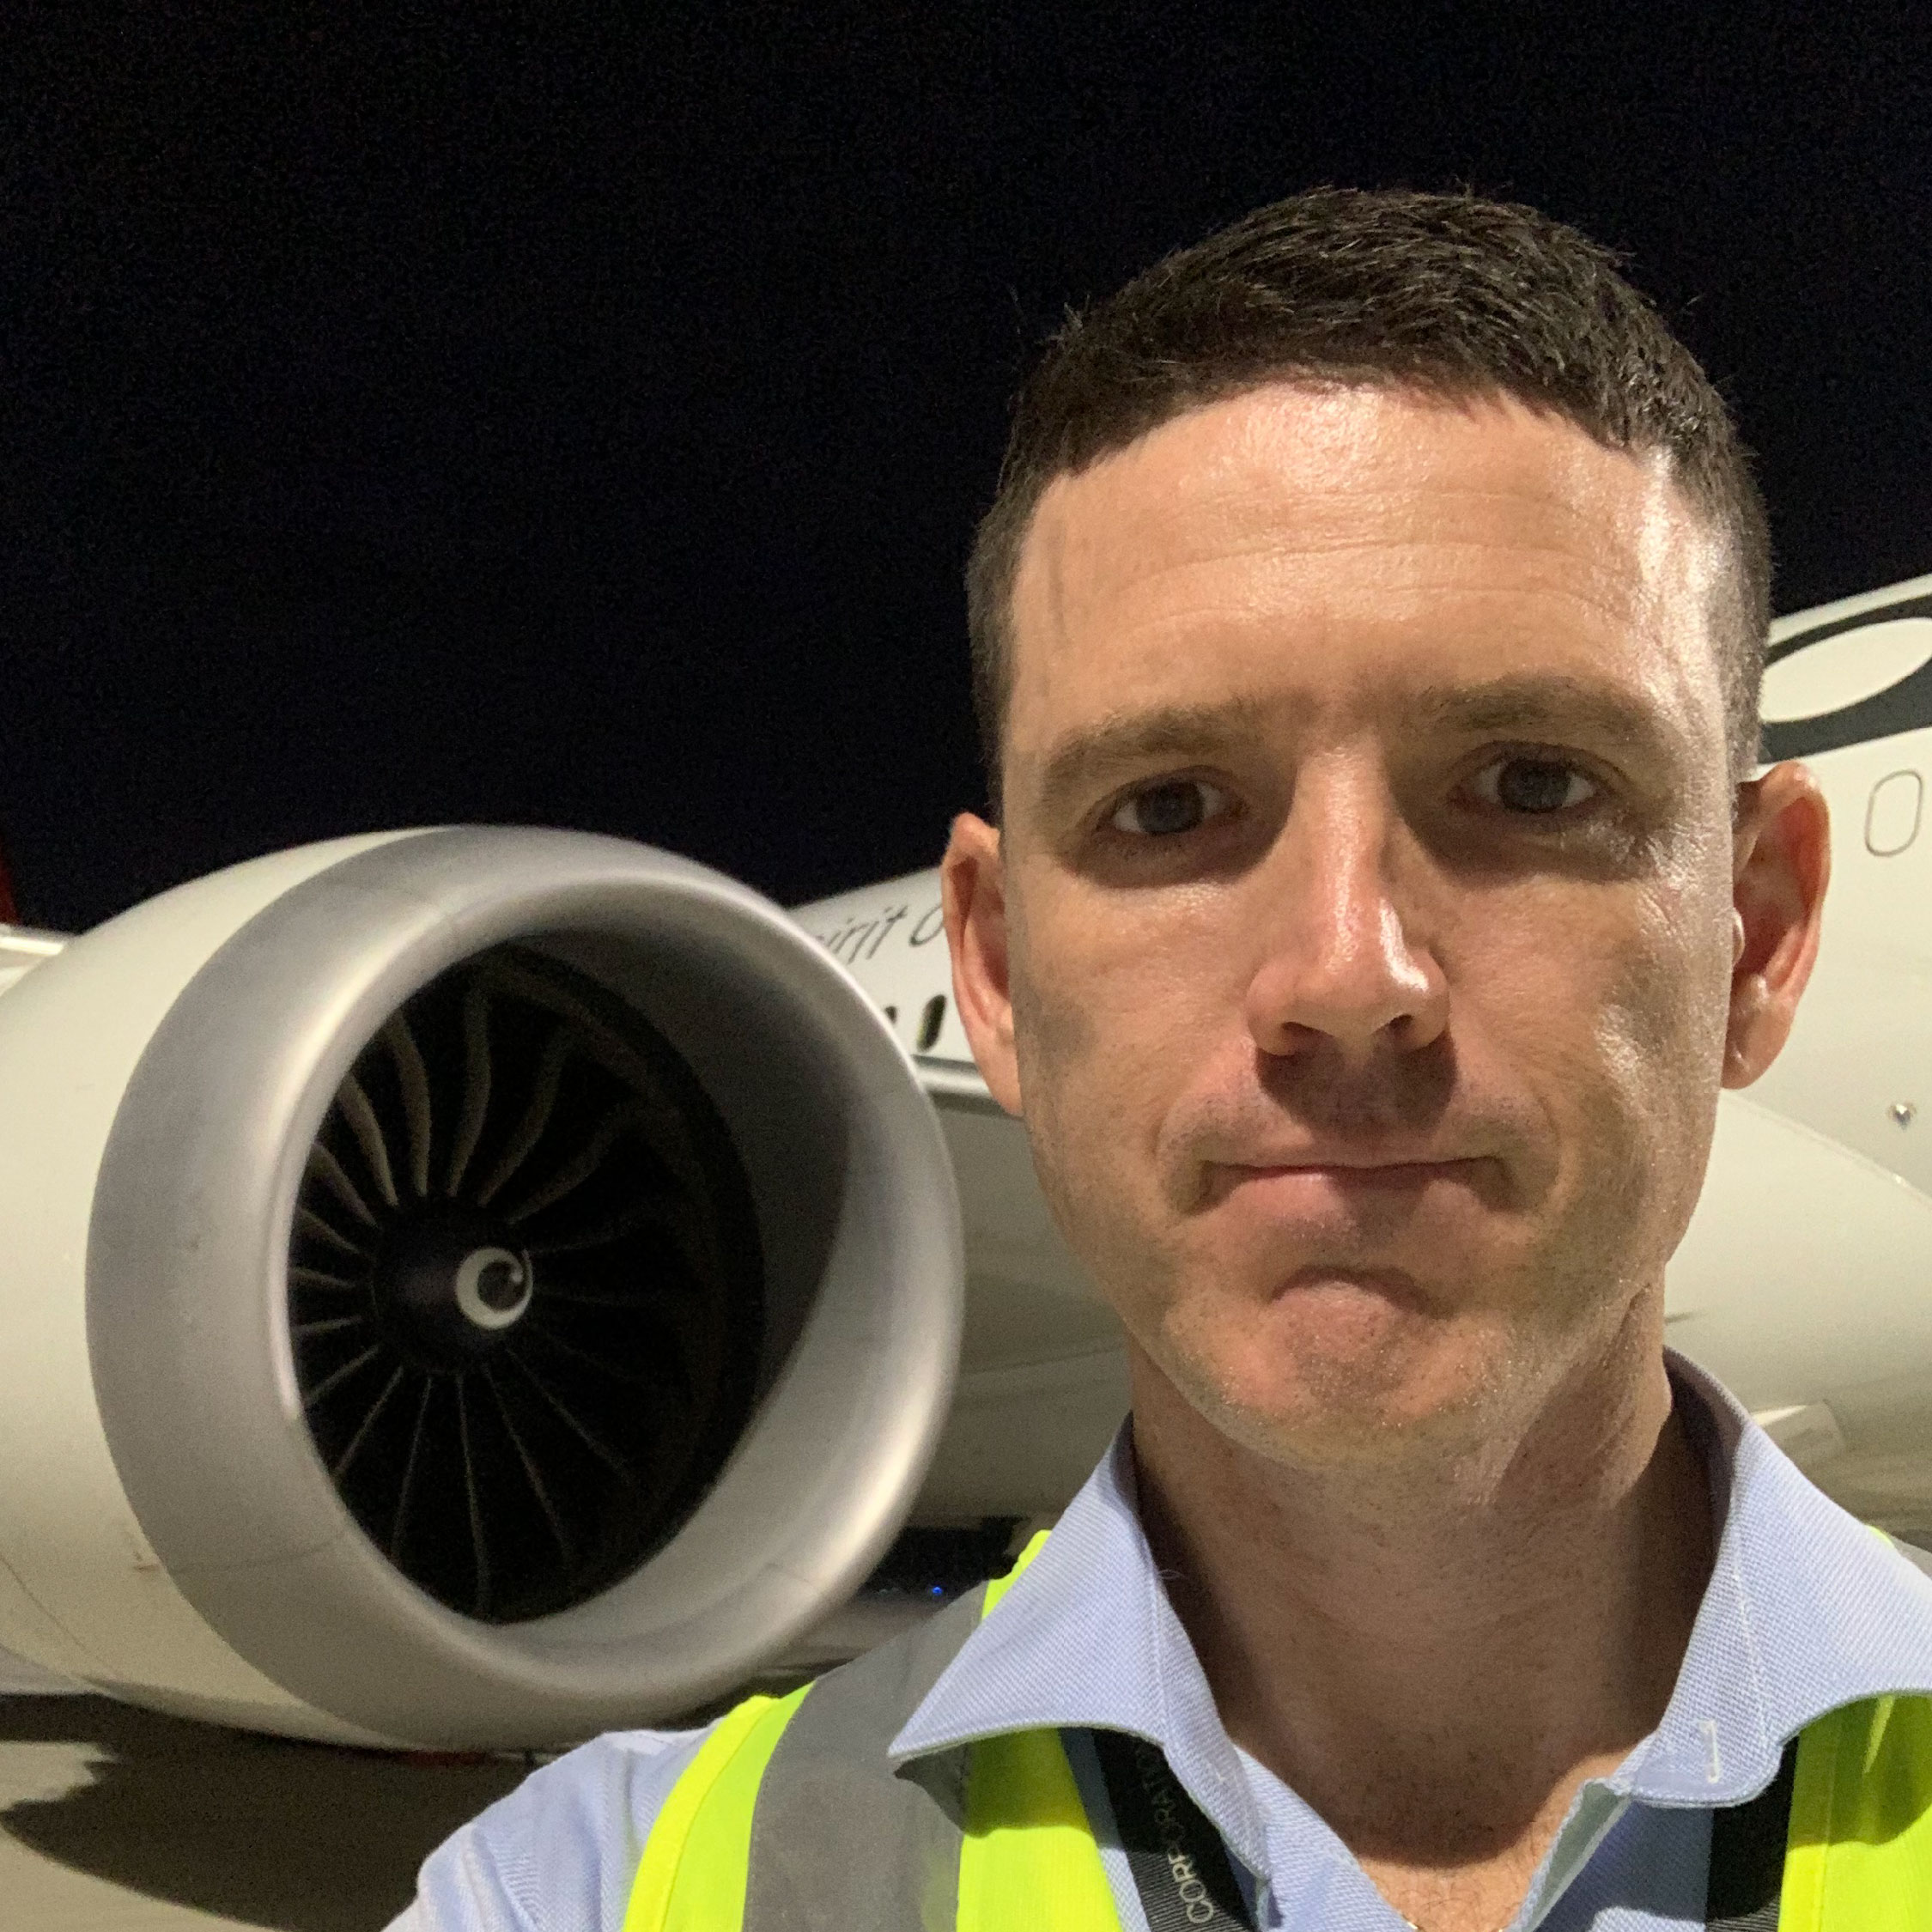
x=1448 y=294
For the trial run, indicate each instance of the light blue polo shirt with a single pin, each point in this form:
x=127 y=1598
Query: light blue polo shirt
x=1805 y=1610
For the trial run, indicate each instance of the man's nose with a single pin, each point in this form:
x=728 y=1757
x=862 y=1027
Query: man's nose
x=1343 y=961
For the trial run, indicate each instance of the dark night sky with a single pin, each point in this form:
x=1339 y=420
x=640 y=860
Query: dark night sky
x=578 y=416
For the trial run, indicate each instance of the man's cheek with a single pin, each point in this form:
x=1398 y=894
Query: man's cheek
x=1650 y=1105
x=1056 y=1013
x=1091 y=1118
x=1095 y=1024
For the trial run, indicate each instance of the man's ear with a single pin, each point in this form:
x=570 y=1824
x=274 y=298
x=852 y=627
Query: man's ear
x=974 y=877
x=1780 y=862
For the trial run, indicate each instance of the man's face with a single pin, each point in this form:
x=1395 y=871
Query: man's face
x=1367 y=895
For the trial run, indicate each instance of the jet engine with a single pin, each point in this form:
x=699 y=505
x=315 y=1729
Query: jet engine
x=460 y=1288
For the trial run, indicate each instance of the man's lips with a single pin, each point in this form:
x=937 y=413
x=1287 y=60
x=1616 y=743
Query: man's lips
x=1372 y=1173
x=1332 y=1177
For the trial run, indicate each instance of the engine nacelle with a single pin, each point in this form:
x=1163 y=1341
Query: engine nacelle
x=463 y=1288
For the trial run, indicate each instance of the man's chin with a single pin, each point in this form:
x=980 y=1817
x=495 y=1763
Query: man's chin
x=1342 y=1366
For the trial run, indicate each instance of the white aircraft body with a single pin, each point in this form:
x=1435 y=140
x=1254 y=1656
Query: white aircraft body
x=473 y=1288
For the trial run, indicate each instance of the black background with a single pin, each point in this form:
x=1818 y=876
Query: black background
x=579 y=414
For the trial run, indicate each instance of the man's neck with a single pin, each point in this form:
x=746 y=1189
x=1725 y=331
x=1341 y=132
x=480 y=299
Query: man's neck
x=1436 y=1660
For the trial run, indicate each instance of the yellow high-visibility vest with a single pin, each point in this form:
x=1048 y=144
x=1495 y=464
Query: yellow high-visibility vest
x=1858 y=1854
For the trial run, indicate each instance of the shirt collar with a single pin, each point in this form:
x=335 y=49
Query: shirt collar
x=1087 y=1638
x=1806 y=1609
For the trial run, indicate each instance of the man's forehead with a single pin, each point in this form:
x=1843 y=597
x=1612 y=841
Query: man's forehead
x=1301 y=516
x=1286 y=472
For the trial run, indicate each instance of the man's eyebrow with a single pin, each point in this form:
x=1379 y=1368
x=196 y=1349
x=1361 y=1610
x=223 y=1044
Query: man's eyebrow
x=1085 y=760
x=1548 y=701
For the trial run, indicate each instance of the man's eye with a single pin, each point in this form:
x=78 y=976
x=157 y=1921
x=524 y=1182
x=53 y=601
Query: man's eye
x=1524 y=784
x=1162 y=810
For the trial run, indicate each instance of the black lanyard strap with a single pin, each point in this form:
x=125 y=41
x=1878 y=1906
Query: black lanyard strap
x=1747 y=1855
x=1180 y=1867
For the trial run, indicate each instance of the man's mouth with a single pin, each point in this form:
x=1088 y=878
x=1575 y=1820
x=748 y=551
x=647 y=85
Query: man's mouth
x=1327 y=1181
x=1369 y=1172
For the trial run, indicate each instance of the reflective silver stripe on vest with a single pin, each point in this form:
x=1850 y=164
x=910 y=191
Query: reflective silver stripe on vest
x=841 y=1842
